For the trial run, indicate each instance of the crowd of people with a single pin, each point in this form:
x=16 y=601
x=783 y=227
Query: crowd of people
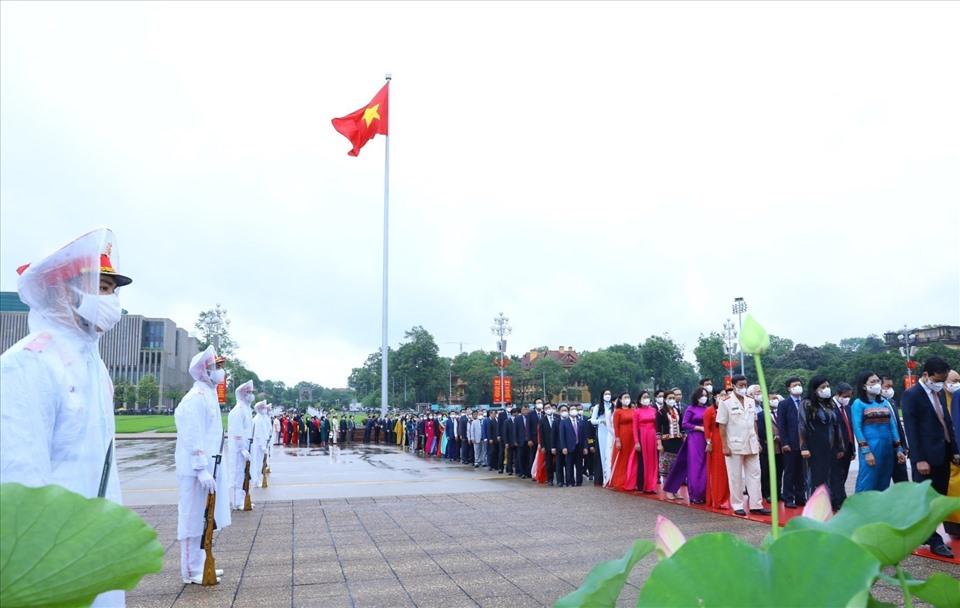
x=715 y=443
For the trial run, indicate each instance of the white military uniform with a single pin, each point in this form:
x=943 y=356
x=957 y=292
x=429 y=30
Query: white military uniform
x=56 y=397
x=239 y=433
x=199 y=440
x=262 y=432
x=743 y=463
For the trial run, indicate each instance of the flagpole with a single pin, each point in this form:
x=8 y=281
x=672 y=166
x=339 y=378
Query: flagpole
x=384 y=349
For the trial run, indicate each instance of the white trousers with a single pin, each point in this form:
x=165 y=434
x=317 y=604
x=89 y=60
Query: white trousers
x=605 y=440
x=192 y=557
x=236 y=480
x=740 y=468
x=256 y=465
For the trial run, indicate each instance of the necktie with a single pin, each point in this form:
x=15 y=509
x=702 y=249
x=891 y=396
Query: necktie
x=576 y=433
x=846 y=423
x=939 y=410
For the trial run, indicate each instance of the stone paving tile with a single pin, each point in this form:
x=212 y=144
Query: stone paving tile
x=151 y=601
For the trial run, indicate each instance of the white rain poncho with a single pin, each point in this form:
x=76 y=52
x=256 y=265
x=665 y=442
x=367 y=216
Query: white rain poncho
x=199 y=439
x=56 y=397
x=239 y=433
x=262 y=434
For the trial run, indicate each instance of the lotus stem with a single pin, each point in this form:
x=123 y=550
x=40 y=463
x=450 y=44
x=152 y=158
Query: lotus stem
x=771 y=460
x=907 y=599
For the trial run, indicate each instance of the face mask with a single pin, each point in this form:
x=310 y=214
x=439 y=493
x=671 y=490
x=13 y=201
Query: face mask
x=702 y=400
x=708 y=388
x=606 y=398
x=645 y=401
x=217 y=376
x=824 y=393
x=844 y=401
x=574 y=413
x=564 y=414
x=103 y=312
x=625 y=402
x=887 y=393
x=672 y=402
x=953 y=387
x=796 y=391
x=549 y=412
x=774 y=403
x=874 y=389
x=742 y=391
x=659 y=400
x=935 y=386
x=539 y=406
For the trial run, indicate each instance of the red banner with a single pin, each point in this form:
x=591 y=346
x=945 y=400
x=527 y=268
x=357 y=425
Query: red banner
x=222 y=393
x=498 y=397
x=909 y=381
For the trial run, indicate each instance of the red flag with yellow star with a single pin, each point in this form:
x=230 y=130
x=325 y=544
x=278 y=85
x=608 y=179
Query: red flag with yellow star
x=360 y=126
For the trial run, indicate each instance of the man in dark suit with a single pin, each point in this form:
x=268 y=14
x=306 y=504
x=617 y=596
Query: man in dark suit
x=533 y=428
x=462 y=423
x=580 y=454
x=525 y=441
x=549 y=428
x=794 y=479
x=494 y=453
x=930 y=434
x=848 y=445
x=569 y=448
x=506 y=440
x=775 y=402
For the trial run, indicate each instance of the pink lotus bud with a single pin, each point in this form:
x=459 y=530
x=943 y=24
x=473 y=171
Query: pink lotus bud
x=819 y=507
x=669 y=538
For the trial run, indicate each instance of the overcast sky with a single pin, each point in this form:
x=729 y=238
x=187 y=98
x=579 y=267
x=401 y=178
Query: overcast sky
x=598 y=172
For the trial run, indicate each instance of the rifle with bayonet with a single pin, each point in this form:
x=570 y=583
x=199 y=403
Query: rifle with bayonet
x=265 y=469
x=247 y=504
x=209 y=524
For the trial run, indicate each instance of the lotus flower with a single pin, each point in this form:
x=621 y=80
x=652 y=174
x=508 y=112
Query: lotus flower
x=819 y=506
x=754 y=339
x=669 y=538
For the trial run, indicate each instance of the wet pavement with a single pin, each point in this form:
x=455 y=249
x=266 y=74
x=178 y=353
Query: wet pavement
x=148 y=476
x=372 y=526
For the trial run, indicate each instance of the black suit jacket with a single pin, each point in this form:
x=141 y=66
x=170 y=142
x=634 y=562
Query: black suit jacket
x=549 y=435
x=462 y=427
x=533 y=423
x=924 y=432
x=788 y=419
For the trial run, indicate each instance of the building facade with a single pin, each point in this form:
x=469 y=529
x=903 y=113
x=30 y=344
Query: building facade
x=138 y=346
x=948 y=335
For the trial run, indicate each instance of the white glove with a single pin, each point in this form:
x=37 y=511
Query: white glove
x=246 y=455
x=206 y=480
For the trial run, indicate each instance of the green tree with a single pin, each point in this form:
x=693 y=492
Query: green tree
x=603 y=370
x=663 y=359
x=147 y=391
x=710 y=355
x=477 y=370
x=213 y=324
x=418 y=361
x=552 y=373
x=173 y=394
x=952 y=356
x=119 y=393
x=130 y=396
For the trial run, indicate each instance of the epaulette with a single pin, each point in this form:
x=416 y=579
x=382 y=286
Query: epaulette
x=38 y=344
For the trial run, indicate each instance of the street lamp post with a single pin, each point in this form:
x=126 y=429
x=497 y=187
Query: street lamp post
x=450 y=388
x=501 y=329
x=908 y=348
x=740 y=307
x=730 y=345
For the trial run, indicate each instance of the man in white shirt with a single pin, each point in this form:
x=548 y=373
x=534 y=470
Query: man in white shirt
x=737 y=417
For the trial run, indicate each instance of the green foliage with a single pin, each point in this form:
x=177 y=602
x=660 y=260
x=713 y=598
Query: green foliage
x=130 y=395
x=662 y=359
x=148 y=391
x=607 y=369
x=552 y=373
x=710 y=354
x=720 y=569
x=605 y=581
x=418 y=361
x=939 y=590
x=119 y=393
x=477 y=370
x=58 y=548
x=890 y=524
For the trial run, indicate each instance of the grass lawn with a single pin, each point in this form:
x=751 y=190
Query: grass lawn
x=141 y=424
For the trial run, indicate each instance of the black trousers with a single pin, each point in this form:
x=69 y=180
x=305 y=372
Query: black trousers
x=900 y=472
x=940 y=476
x=575 y=467
x=466 y=452
x=562 y=460
x=550 y=461
x=794 y=477
x=523 y=460
x=838 y=482
x=765 y=474
x=493 y=455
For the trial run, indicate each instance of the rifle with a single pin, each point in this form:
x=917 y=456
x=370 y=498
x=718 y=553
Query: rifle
x=247 y=505
x=209 y=524
x=265 y=469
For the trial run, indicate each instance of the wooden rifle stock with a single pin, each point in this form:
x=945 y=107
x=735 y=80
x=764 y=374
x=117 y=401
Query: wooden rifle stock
x=247 y=505
x=209 y=524
x=265 y=473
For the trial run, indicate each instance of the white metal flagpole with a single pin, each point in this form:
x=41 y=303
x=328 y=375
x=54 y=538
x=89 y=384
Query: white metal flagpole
x=384 y=350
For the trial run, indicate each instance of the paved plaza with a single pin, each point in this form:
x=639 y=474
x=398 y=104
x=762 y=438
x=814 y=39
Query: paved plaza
x=372 y=526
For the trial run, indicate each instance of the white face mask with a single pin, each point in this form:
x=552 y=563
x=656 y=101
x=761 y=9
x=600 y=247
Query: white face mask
x=574 y=413
x=606 y=398
x=564 y=414
x=101 y=311
x=659 y=400
x=742 y=391
x=218 y=375
x=549 y=412
x=844 y=401
x=672 y=402
x=645 y=401
x=952 y=387
x=796 y=391
x=874 y=389
x=708 y=388
x=539 y=406
x=702 y=400
x=824 y=393
x=774 y=403
x=625 y=401
x=935 y=386
x=887 y=393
